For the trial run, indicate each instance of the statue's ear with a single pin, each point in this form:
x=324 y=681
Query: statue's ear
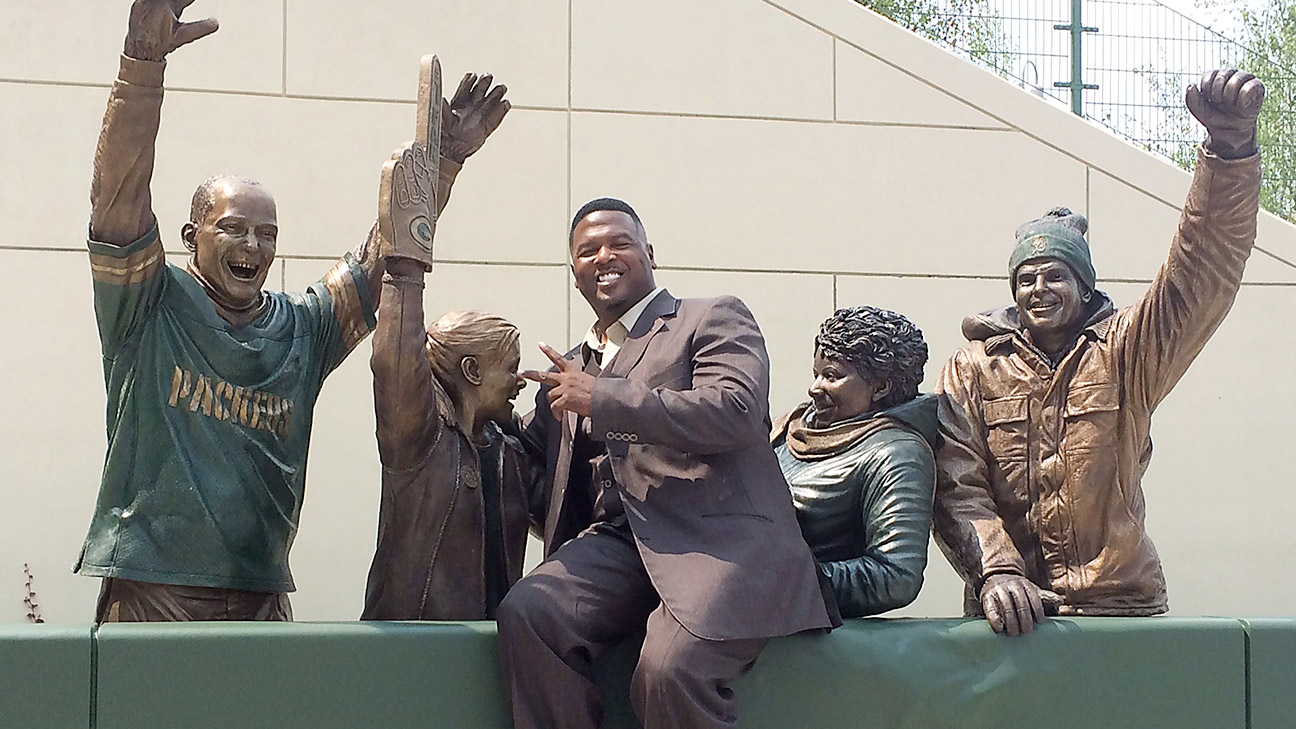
x=471 y=370
x=882 y=392
x=188 y=232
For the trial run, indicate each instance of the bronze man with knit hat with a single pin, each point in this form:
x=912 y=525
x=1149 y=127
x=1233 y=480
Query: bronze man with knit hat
x=1046 y=411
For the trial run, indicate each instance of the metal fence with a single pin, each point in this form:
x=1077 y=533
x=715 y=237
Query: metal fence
x=1121 y=63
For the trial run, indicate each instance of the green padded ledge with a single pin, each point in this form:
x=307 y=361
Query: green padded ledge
x=1273 y=672
x=1113 y=673
x=1071 y=673
x=318 y=675
x=45 y=676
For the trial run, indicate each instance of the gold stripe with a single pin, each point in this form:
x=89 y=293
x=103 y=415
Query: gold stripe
x=124 y=273
x=346 y=305
x=147 y=252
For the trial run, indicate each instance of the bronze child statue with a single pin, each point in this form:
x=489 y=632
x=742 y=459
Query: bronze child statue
x=211 y=381
x=455 y=488
x=859 y=459
x=1046 y=411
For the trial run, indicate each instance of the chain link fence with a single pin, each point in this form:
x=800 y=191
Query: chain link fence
x=1131 y=60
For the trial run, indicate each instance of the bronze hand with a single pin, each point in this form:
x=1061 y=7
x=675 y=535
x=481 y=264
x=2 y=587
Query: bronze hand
x=1227 y=103
x=155 y=29
x=471 y=116
x=1014 y=604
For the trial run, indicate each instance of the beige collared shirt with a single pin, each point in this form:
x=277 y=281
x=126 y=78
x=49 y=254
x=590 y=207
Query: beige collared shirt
x=608 y=346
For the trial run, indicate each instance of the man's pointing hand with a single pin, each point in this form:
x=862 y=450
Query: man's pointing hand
x=570 y=387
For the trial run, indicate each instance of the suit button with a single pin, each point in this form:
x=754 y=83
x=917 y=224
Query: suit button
x=606 y=484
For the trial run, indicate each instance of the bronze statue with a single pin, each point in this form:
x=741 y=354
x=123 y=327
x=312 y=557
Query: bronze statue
x=859 y=459
x=211 y=381
x=455 y=488
x=1046 y=411
x=664 y=508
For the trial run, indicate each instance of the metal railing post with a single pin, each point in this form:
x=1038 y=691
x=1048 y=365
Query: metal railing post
x=1076 y=84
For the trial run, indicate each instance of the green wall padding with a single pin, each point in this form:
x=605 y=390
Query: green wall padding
x=1273 y=673
x=316 y=675
x=45 y=676
x=1072 y=673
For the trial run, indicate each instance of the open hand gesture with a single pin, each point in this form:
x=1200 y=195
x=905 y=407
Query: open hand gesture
x=1227 y=103
x=155 y=29
x=570 y=387
x=471 y=116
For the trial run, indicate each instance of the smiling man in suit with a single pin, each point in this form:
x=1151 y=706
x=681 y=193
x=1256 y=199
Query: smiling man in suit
x=666 y=507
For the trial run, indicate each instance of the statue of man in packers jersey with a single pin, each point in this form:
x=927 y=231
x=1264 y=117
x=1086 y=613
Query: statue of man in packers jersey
x=211 y=381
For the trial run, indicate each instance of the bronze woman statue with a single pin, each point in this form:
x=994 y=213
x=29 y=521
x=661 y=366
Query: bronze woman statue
x=859 y=459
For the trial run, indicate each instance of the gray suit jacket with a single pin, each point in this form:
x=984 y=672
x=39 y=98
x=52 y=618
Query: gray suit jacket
x=683 y=411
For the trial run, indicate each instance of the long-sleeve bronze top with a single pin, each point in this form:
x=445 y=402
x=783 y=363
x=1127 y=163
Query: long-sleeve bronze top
x=432 y=560
x=1040 y=472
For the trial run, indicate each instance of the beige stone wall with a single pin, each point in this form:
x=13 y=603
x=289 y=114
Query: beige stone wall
x=802 y=154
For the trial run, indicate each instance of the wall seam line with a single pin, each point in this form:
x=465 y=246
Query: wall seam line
x=283 y=70
x=94 y=676
x=1246 y=669
x=571 y=44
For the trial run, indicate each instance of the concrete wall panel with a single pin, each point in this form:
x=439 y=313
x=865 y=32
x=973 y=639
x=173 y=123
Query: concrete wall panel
x=245 y=56
x=728 y=57
x=801 y=197
x=51 y=434
x=48 y=144
x=794 y=216
x=372 y=49
x=870 y=90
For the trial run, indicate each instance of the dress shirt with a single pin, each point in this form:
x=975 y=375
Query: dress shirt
x=607 y=346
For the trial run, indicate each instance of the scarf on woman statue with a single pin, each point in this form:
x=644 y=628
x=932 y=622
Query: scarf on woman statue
x=808 y=443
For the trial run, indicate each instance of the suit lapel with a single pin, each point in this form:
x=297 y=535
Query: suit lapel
x=562 y=472
x=651 y=321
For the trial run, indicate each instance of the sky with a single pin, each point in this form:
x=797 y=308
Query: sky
x=1218 y=14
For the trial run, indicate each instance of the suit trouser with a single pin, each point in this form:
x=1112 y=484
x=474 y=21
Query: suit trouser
x=588 y=596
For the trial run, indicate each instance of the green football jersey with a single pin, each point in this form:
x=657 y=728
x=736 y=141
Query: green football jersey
x=208 y=423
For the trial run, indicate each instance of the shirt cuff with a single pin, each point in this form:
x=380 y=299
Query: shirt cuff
x=141 y=73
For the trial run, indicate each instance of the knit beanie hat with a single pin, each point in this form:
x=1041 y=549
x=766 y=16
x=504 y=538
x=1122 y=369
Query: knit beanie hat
x=1058 y=234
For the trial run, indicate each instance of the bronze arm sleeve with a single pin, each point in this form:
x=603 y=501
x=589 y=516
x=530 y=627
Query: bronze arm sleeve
x=121 y=208
x=896 y=517
x=965 y=521
x=1161 y=334
x=404 y=392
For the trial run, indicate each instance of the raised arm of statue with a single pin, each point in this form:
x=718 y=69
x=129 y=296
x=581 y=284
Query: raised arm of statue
x=121 y=208
x=1195 y=288
x=466 y=122
x=404 y=394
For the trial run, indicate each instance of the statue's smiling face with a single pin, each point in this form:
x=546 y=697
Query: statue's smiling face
x=1050 y=299
x=234 y=243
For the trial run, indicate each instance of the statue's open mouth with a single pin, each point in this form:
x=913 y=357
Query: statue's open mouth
x=243 y=271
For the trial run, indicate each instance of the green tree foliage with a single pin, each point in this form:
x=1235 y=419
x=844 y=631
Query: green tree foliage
x=1270 y=53
x=968 y=26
